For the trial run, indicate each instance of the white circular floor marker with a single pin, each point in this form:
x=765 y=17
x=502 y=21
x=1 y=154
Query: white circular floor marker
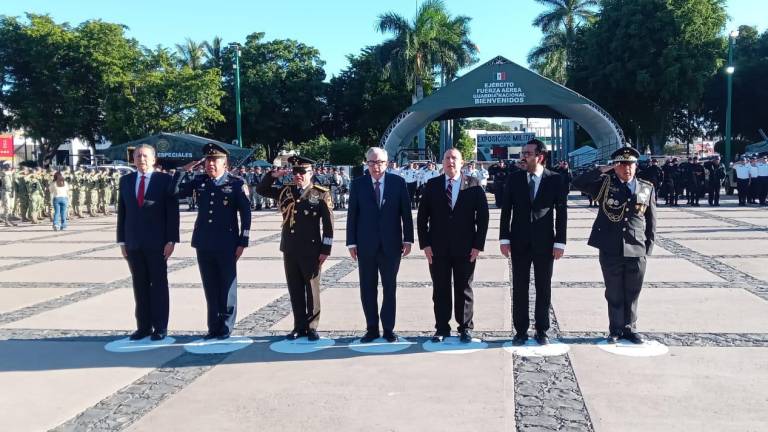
x=453 y=345
x=301 y=345
x=381 y=346
x=216 y=346
x=625 y=348
x=533 y=349
x=126 y=345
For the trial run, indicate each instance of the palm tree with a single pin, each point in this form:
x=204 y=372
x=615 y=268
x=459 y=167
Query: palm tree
x=559 y=24
x=191 y=53
x=432 y=39
x=213 y=52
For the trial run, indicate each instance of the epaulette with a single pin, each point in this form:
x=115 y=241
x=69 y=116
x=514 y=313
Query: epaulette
x=320 y=188
x=646 y=182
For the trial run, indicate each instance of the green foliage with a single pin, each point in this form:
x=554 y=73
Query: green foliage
x=341 y=151
x=645 y=60
x=482 y=124
x=466 y=145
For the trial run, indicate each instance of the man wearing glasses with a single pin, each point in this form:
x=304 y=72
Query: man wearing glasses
x=379 y=233
x=307 y=208
x=624 y=232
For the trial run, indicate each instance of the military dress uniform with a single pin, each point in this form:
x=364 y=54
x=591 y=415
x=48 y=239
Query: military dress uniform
x=216 y=237
x=304 y=212
x=624 y=232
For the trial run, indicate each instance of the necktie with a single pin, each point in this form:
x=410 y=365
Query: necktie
x=449 y=192
x=140 y=195
x=531 y=187
x=377 y=192
x=627 y=190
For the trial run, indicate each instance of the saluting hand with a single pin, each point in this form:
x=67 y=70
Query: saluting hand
x=280 y=172
x=604 y=169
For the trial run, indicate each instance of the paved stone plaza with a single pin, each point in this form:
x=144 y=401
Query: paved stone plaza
x=63 y=296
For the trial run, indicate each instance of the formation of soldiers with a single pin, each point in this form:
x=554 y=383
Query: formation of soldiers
x=26 y=195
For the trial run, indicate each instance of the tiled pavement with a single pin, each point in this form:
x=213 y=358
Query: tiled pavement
x=64 y=295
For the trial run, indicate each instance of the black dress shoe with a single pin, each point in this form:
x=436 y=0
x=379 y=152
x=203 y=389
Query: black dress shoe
x=541 y=338
x=295 y=334
x=369 y=336
x=312 y=335
x=210 y=335
x=632 y=337
x=519 y=339
x=390 y=336
x=612 y=338
x=465 y=336
x=139 y=334
x=224 y=334
x=159 y=335
x=438 y=337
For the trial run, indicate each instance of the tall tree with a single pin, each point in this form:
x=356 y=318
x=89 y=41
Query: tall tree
x=213 y=53
x=647 y=61
x=192 y=53
x=432 y=39
x=559 y=24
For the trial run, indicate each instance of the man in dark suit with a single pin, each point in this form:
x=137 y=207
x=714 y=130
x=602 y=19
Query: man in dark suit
x=147 y=229
x=624 y=232
x=379 y=231
x=535 y=201
x=218 y=240
x=452 y=223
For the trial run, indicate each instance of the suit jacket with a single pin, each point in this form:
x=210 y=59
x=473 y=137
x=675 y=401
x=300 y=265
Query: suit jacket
x=216 y=226
x=625 y=225
x=155 y=223
x=303 y=215
x=452 y=231
x=371 y=228
x=535 y=226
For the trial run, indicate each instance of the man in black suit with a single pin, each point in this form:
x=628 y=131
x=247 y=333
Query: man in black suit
x=147 y=229
x=624 y=232
x=452 y=223
x=379 y=232
x=535 y=201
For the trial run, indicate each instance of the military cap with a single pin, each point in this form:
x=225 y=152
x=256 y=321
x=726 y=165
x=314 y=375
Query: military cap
x=625 y=154
x=214 y=150
x=297 y=161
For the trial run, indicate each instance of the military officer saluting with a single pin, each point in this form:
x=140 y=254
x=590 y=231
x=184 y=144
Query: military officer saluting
x=306 y=207
x=624 y=233
x=217 y=239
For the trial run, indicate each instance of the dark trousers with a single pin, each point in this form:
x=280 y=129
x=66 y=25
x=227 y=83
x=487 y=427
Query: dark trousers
x=714 y=194
x=150 y=288
x=754 y=190
x=303 y=276
x=462 y=270
x=623 y=277
x=763 y=181
x=218 y=270
x=695 y=189
x=369 y=268
x=743 y=186
x=498 y=195
x=521 y=279
x=411 y=192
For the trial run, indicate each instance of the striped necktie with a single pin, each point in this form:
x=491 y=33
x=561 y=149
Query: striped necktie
x=449 y=192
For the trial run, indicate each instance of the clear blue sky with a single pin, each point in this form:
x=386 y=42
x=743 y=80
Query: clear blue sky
x=335 y=27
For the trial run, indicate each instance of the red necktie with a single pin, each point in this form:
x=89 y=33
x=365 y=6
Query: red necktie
x=140 y=197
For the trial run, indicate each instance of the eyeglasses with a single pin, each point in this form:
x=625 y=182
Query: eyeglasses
x=376 y=162
x=302 y=171
x=527 y=153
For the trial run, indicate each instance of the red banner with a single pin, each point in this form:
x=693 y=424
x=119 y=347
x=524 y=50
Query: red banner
x=6 y=147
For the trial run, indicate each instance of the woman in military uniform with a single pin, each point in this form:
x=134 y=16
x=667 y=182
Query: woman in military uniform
x=305 y=207
x=624 y=232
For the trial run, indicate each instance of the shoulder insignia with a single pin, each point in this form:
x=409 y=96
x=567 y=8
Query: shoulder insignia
x=321 y=188
x=645 y=182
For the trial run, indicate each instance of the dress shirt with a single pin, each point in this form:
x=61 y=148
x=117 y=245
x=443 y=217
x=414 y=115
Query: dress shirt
x=147 y=177
x=381 y=191
x=456 y=185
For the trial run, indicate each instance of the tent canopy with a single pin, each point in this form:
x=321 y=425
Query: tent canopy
x=758 y=147
x=176 y=148
x=501 y=88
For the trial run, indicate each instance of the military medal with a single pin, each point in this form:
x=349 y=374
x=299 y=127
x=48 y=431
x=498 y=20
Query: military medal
x=227 y=189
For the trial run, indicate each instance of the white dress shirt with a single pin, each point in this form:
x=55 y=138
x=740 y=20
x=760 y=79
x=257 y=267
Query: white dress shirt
x=381 y=191
x=456 y=185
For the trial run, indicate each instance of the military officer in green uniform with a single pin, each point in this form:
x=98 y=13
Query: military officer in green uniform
x=22 y=197
x=104 y=184
x=7 y=194
x=35 y=193
x=45 y=180
x=306 y=207
x=624 y=232
x=92 y=192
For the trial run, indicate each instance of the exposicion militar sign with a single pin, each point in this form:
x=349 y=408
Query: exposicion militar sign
x=499 y=91
x=508 y=139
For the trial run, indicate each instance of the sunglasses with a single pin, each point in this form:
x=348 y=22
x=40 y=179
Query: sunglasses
x=300 y=170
